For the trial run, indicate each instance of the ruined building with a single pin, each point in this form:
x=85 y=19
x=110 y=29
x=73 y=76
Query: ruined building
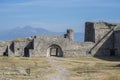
x=101 y=39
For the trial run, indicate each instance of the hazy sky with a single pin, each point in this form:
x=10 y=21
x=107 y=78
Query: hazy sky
x=57 y=15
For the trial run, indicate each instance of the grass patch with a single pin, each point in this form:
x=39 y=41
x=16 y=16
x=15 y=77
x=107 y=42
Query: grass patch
x=79 y=68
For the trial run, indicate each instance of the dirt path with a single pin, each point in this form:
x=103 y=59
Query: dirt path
x=61 y=71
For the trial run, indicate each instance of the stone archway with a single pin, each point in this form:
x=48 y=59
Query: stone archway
x=54 y=50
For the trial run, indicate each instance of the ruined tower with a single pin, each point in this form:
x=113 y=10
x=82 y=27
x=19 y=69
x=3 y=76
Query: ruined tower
x=69 y=34
x=95 y=31
x=102 y=34
x=89 y=32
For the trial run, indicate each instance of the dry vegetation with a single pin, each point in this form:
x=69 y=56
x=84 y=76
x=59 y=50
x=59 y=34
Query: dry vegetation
x=41 y=68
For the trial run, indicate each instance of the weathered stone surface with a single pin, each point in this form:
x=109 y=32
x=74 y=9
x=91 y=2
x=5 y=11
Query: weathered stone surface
x=3 y=47
x=101 y=39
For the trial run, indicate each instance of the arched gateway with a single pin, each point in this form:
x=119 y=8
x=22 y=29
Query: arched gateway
x=54 y=50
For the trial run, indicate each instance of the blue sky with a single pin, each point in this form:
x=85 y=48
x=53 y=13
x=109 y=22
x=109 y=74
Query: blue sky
x=57 y=15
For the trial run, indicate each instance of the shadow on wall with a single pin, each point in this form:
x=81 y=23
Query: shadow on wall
x=107 y=51
x=26 y=49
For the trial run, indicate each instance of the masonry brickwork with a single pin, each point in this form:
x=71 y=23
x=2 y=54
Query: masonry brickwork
x=101 y=39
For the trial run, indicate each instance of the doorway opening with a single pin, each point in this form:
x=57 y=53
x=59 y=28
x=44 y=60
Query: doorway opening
x=26 y=52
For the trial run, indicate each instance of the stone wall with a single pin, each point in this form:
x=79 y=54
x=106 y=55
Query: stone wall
x=3 y=48
x=69 y=48
x=95 y=31
x=117 y=41
x=101 y=29
x=20 y=46
x=70 y=34
x=42 y=43
x=78 y=49
x=89 y=32
x=100 y=39
x=102 y=35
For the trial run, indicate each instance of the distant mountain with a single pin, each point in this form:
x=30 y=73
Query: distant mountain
x=21 y=32
x=28 y=31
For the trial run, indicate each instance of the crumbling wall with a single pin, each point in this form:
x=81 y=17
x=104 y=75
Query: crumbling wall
x=3 y=48
x=102 y=34
x=95 y=31
x=100 y=38
x=117 y=41
x=78 y=49
x=101 y=29
x=20 y=46
x=69 y=48
x=42 y=43
x=89 y=32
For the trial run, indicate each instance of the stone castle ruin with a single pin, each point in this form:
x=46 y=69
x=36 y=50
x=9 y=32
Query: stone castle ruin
x=101 y=39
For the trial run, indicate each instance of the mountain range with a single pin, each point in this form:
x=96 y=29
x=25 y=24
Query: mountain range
x=28 y=31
